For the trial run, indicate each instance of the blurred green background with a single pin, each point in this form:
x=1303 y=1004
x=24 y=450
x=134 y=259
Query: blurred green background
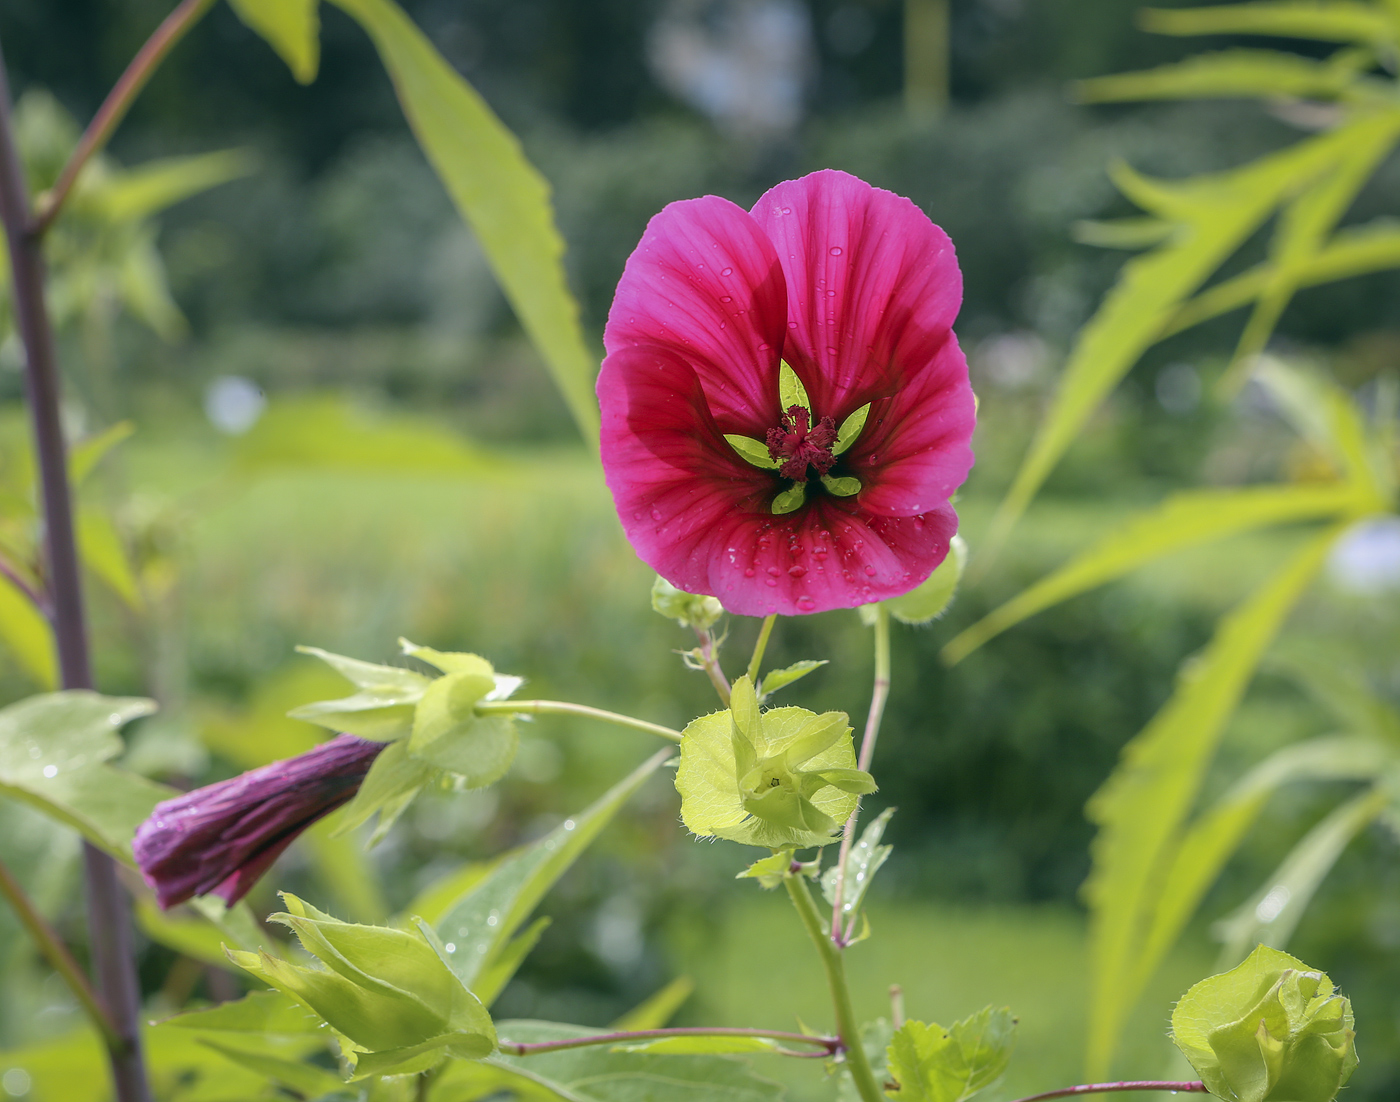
x=343 y=438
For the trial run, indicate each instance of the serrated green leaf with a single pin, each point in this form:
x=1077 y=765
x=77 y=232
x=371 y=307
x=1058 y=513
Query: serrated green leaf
x=1230 y=73
x=657 y=1011
x=932 y=1064
x=1214 y=215
x=27 y=635
x=53 y=750
x=499 y=193
x=1271 y=914
x=1190 y=519
x=482 y=922
x=863 y=862
x=774 y=680
x=598 y=1074
x=1324 y=20
x=1270 y=1029
x=1140 y=809
x=290 y=27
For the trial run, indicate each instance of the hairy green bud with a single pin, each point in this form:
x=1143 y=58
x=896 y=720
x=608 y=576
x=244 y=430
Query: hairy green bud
x=690 y=610
x=784 y=778
x=1270 y=1030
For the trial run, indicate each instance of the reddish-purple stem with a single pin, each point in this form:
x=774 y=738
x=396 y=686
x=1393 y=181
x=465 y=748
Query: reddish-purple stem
x=1188 y=1086
x=828 y=1046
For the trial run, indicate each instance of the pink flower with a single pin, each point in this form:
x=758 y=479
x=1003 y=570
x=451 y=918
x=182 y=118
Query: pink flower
x=223 y=837
x=856 y=291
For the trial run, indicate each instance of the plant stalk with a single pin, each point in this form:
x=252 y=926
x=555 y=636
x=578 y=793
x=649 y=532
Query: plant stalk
x=846 y=1026
x=56 y=953
x=827 y=1045
x=563 y=708
x=115 y=106
x=759 y=647
x=709 y=662
x=109 y=918
x=1189 y=1086
x=878 y=695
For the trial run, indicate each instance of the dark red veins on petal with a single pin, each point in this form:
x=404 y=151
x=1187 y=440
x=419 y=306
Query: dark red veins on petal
x=800 y=444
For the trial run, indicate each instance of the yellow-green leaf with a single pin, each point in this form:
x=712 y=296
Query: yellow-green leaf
x=26 y=632
x=1325 y=20
x=1225 y=74
x=291 y=27
x=500 y=194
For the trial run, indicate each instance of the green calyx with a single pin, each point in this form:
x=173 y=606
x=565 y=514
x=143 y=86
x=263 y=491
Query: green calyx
x=1269 y=1030
x=783 y=779
x=692 y=610
x=389 y=993
x=437 y=735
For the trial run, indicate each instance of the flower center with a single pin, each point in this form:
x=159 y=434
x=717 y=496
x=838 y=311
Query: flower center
x=798 y=444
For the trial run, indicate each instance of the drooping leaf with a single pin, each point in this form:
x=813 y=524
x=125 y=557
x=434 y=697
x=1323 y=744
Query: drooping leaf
x=1141 y=807
x=53 y=754
x=148 y=188
x=27 y=635
x=599 y=1074
x=866 y=858
x=774 y=680
x=1325 y=20
x=1230 y=73
x=933 y=1064
x=1271 y=914
x=291 y=27
x=657 y=1011
x=1184 y=520
x=499 y=193
x=1213 y=216
x=479 y=926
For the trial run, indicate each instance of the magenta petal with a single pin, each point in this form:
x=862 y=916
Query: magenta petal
x=224 y=836
x=705 y=283
x=873 y=286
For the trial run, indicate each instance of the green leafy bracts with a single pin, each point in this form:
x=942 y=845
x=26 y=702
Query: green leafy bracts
x=690 y=610
x=389 y=992
x=1269 y=1030
x=782 y=779
x=933 y=1064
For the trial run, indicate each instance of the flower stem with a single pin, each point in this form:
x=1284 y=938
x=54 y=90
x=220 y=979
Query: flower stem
x=116 y=105
x=563 y=708
x=1189 y=1086
x=878 y=695
x=827 y=1045
x=832 y=961
x=710 y=663
x=109 y=917
x=57 y=954
x=761 y=646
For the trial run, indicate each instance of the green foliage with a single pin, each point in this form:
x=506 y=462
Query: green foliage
x=779 y=779
x=502 y=197
x=657 y=1011
x=291 y=27
x=933 y=1064
x=774 y=680
x=928 y=601
x=479 y=927
x=601 y=1074
x=389 y=991
x=53 y=754
x=865 y=860
x=687 y=609
x=1269 y=1030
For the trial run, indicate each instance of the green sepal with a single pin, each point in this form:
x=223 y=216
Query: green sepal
x=762 y=777
x=448 y=733
x=770 y=872
x=752 y=451
x=850 y=428
x=790 y=500
x=692 y=610
x=933 y=1064
x=383 y=708
x=1269 y=1030
x=778 y=679
x=388 y=991
x=931 y=598
x=841 y=485
x=394 y=780
x=791 y=392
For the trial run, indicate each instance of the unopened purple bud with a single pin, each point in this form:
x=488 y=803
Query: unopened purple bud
x=221 y=838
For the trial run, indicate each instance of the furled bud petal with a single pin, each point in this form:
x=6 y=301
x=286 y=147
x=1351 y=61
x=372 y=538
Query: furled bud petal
x=783 y=778
x=221 y=838
x=388 y=991
x=687 y=609
x=1270 y=1030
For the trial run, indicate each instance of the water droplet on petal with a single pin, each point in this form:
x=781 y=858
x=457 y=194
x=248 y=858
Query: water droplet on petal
x=870 y=571
x=918 y=524
x=806 y=603
x=796 y=570
x=727 y=271
x=772 y=581
x=749 y=572
x=836 y=250
x=726 y=298
x=774 y=571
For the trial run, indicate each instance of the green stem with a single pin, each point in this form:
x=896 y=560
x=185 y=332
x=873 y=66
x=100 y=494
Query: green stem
x=878 y=695
x=828 y=1045
x=563 y=708
x=57 y=954
x=114 y=108
x=709 y=662
x=761 y=646
x=832 y=961
x=1187 y=1086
